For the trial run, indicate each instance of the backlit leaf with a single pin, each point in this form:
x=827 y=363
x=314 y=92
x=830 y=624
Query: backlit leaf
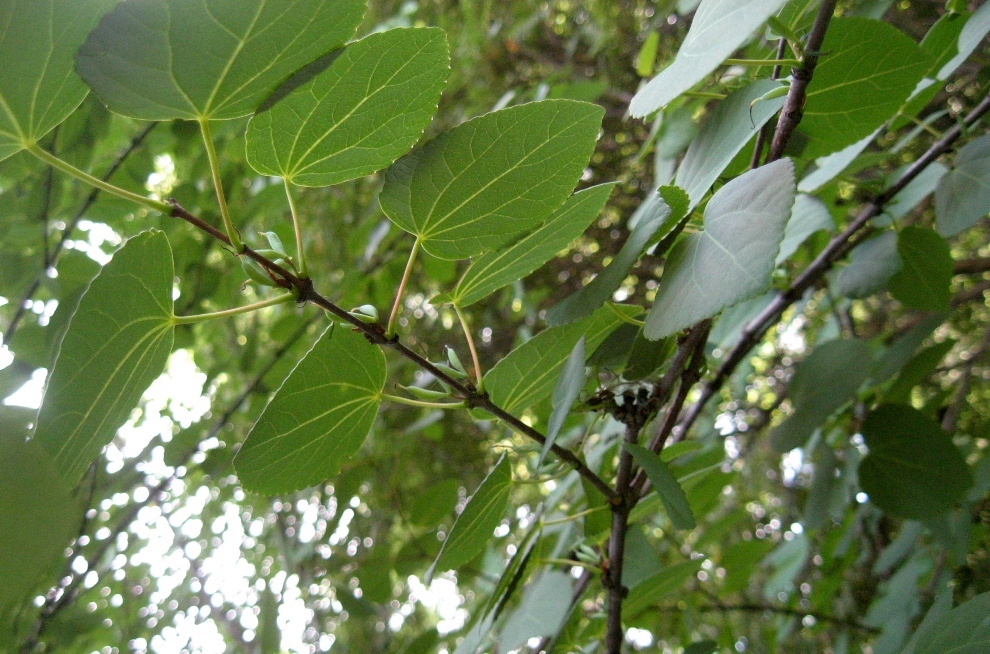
x=117 y=343
x=216 y=59
x=318 y=418
x=481 y=184
x=733 y=258
x=962 y=196
x=358 y=115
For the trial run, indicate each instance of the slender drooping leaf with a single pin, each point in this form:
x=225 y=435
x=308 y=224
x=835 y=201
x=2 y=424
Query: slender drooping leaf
x=808 y=215
x=719 y=28
x=871 y=264
x=318 y=418
x=569 y=384
x=587 y=299
x=542 y=612
x=38 y=516
x=870 y=70
x=364 y=111
x=473 y=529
x=528 y=374
x=923 y=280
x=486 y=181
x=913 y=469
x=963 y=630
x=117 y=344
x=726 y=130
x=656 y=587
x=962 y=196
x=493 y=270
x=822 y=383
x=213 y=59
x=666 y=486
x=38 y=86
x=733 y=258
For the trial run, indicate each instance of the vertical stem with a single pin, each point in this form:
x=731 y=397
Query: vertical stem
x=761 y=136
x=480 y=380
x=300 y=254
x=390 y=331
x=211 y=153
x=617 y=546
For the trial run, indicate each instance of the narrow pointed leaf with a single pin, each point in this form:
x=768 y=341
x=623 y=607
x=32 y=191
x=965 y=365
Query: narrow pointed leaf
x=117 y=343
x=665 y=484
x=364 y=111
x=733 y=258
x=216 y=59
x=527 y=375
x=493 y=270
x=870 y=70
x=962 y=196
x=39 y=87
x=923 y=281
x=656 y=587
x=719 y=28
x=542 y=612
x=473 y=529
x=486 y=181
x=569 y=384
x=318 y=418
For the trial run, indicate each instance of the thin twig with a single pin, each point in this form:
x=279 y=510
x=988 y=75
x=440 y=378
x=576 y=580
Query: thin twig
x=761 y=136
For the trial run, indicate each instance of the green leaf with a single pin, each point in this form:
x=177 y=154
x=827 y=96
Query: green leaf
x=677 y=199
x=37 y=518
x=871 y=264
x=527 y=375
x=479 y=185
x=808 y=215
x=587 y=299
x=719 y=28
x=822 y=383
x=963 y=630
x=207 y=59
x=733 y=258
x=941 y=42
x=358 y=115
x=434 y=503
x=923 y=281
x=646 y=594
x=971 y=36
x=318 y=418
x=569 y=384
x=542 y=612
x=38 y=87
x=117 y=343
x=913 y=470
x=962 y=196
x=726 y=130
x=869 y=71
x=702 y=647
x=666 y=486
x=647 y=55
x=916 y=370
x=917 y=190
x=828 y=168
x=474 y=526
x=493 y=270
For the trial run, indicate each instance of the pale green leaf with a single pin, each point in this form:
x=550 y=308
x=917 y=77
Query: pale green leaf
x=38 y=86
x=719 y=28
x=117 y=343
x=869 y=71
x=808 y=215
x=963 y=630
x=569 y=384
x=733 y=258
x=828 y=167
x=493 y=270
x=917 y=190
x=527 y=375
x=666 y=486
x=37 y=518
x=724 y=133
x=962 y=196
x=481 y=184
x=474 y=527
x=214 y=59
x=913 y=469
x=871 y=264
x=318 y=418
x=544 y=607
x=924 y=279
x=647 y=593
x=358 y=115
x=828 y=378
x=971 y=36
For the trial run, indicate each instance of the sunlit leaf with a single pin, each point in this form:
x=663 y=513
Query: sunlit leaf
x=358 y=115
x=117 y=344
x=318 y=418
x=216 y=59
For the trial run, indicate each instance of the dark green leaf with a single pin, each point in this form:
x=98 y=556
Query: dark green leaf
x=665 y=485
x=733 y=258
x=923 y=280
x=702 y=647
x=481 y=184
x=213 y=59
x=117 y=344
x=913 y=469
x=434 y=503
x=962 y=196
x=916 y=370
x=364 y=111
x=871 y=264
x=318 y=418
x=656 y=587
x=970 y=37
x=963 y=630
